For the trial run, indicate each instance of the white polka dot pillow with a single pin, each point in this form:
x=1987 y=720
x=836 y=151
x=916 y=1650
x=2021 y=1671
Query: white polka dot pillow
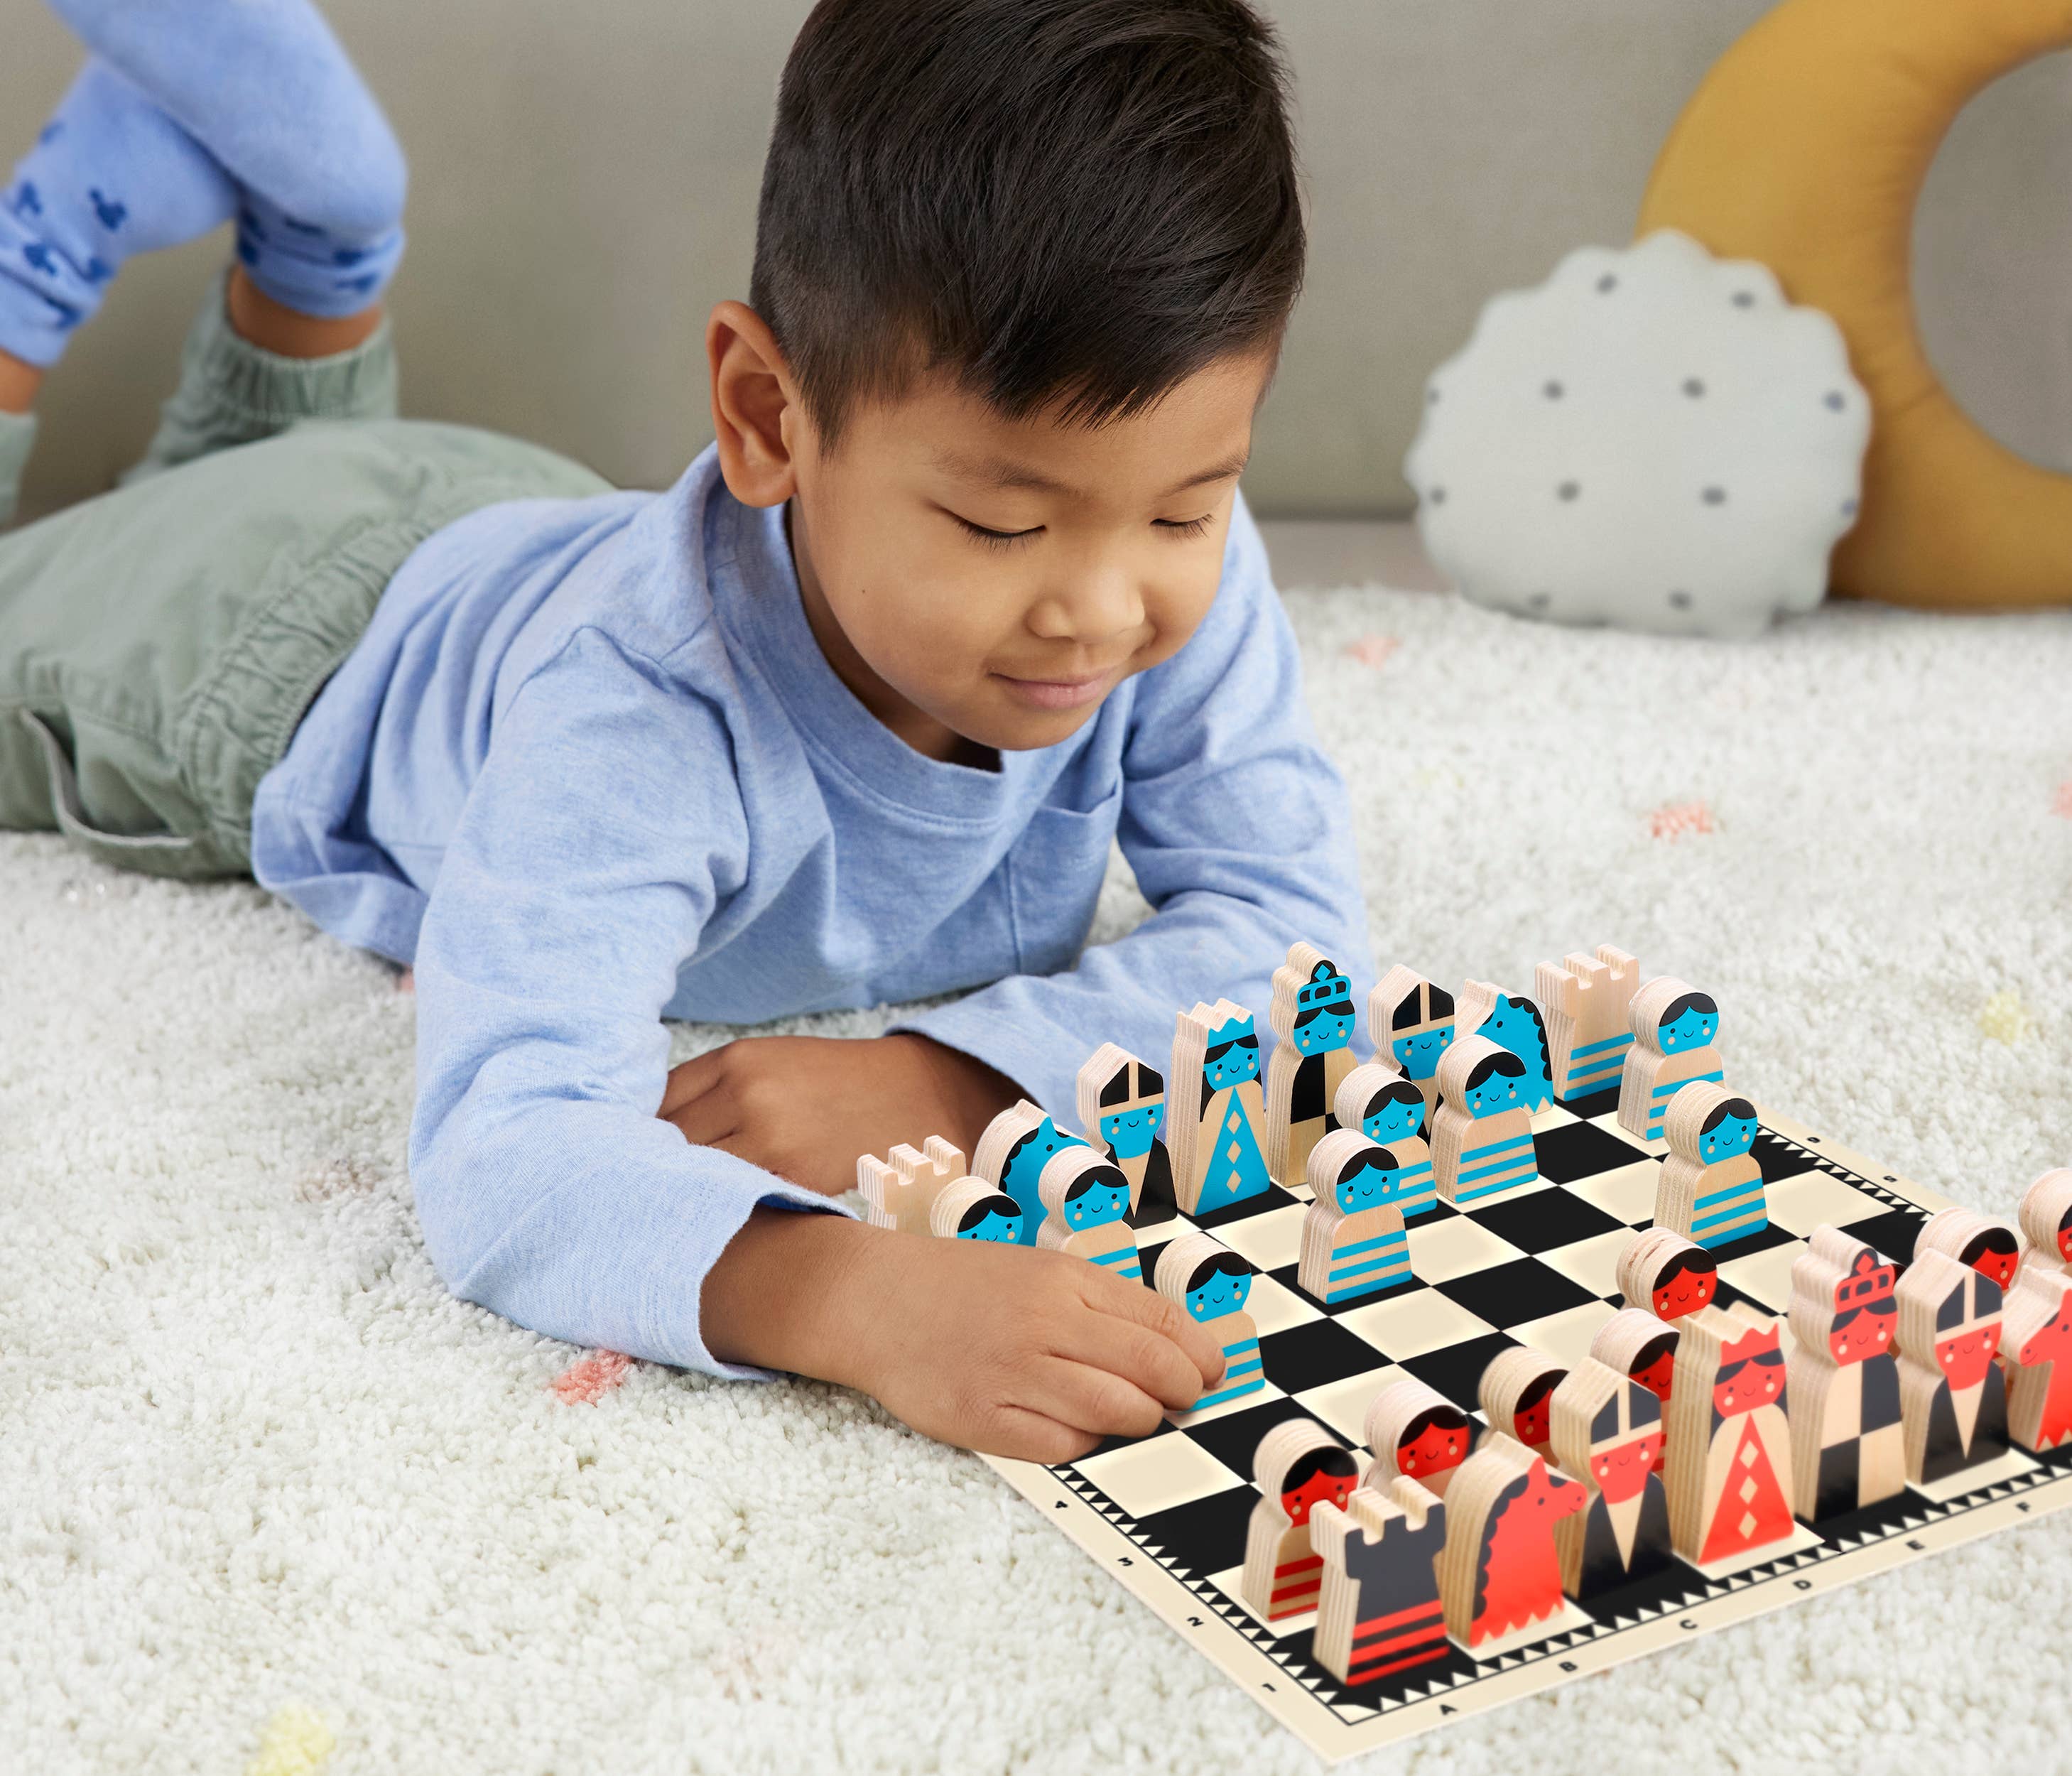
x=1653 y=438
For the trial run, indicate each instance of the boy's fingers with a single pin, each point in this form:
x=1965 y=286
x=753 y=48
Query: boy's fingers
x=1147 y=1308
x=693 y=1080
x=1023 y=1436
x=1092 y=1399
x=1136 y=1353
x=709 y=1121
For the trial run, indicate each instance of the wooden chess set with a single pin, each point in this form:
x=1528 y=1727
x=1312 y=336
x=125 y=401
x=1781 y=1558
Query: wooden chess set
x=1544 y=1349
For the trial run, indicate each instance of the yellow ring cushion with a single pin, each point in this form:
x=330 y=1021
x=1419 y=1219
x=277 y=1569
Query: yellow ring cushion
x=1806 y=148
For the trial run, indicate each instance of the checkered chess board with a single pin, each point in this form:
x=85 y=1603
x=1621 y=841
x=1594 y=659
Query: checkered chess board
x=1167 y=1513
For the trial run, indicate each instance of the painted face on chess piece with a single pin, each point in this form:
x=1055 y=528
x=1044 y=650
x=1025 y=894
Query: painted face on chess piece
x=1231 y=1064
x=1865 y=1331
x=2065 y=1239
x=1744 y=1386
x=1438 y=1448
x=1418 y=1052
x=1331 y=1474
x=1622 y=1469
x=1215 y=1290
x=1654 y=1367
x=1686 y=1283
x=1493 y=1086
x=1376 y=1181
x=1693 y=1022
x=1331 y=1028
x=1097 y=1198
x=1396 y=1117
x=1727 y=1135
x=1994 y=1254
x=996 y=1221
x=1529 y=1423
x=1965 y=1356
x=1033 y=1150
x=1129 y=1134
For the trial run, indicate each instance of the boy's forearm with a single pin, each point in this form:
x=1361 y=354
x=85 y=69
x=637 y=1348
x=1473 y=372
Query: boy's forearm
x=779 y=1296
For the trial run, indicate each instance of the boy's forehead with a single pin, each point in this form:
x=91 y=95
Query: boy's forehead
x=1197 y=435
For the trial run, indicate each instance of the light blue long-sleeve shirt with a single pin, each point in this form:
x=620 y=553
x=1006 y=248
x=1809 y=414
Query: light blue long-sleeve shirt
x=588 y=769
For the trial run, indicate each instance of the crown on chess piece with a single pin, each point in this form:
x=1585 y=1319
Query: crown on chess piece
x=1328 y=989
x=1868 y=1280
x=1238 y=1030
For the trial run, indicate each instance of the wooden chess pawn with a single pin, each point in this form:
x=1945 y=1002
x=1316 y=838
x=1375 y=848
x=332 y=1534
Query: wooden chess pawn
x=1663 y=1273
x=1012 y=1152
x=1729 y=1453
x=1312 y=1014
x=1643 y=1349
x=2038 y=1351
x=1951 y=1395
x=900 y=1190
x=1482 y=1134
x=2046 y=1216
x=1585 y=999
x=1212 y=1283
x=1215 y=1115
x=1607 y=1434
x=1298 y=1465
x=1512 y=1021
x=1379 y=1610
x=1411 y=1023
x=1710 y=1188
x=1500 y=1571
x=1391 y=1111
x=1122 y=1107
x=1353 y=1241
x=1674 y=1027
x=1847 y=1444
x=1985 y=1242
x=1086 y=1205
x=971 y=1209
x=1413 y=1430
x=1516 y=1392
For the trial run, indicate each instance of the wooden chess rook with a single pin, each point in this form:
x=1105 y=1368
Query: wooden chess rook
x=900 y=1190
x=1585 y=998
x=1379 y=1610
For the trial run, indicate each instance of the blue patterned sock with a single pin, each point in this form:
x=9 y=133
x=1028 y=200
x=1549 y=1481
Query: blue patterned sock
x=111 y=176
x=267 y=90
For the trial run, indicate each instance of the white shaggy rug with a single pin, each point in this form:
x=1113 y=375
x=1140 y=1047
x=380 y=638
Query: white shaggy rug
x=270 y=1501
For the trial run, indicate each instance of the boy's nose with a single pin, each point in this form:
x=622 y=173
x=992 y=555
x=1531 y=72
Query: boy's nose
x=1097 y=604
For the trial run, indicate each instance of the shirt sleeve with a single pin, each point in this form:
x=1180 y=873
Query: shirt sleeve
x=603 y=830
x=1240 y=832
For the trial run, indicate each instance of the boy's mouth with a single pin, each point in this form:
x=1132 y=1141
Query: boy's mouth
x=1058 y=693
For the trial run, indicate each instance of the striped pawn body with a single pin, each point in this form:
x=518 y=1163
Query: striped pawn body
x=1711 y=1189
x=1585 y=999
x=1353 y=1241
x=1482 y=1134
x=1674 y=1028
x=1390 y=1110
x=1086 y=1202
x=1212 y=1283
x=1297 y=1466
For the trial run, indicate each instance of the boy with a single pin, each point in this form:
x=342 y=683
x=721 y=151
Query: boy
x=963 y=591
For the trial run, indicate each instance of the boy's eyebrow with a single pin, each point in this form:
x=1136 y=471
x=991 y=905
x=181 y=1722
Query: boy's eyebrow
x=1004 y=472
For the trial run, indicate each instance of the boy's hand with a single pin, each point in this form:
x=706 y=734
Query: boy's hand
x=1014 y=1351
x=804 y=1106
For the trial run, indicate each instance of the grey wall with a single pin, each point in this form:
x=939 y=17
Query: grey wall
x=585 y=181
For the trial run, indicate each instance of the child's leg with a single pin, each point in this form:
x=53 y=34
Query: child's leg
x=252 y=367
x=266 y=89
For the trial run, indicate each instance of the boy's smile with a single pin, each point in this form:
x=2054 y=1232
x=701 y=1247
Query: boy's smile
x=982 y=583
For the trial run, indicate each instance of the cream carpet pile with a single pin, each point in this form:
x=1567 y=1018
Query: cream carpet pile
x=272 y=1502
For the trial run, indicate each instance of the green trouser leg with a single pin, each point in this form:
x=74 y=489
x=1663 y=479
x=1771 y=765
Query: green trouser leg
x=17 y=433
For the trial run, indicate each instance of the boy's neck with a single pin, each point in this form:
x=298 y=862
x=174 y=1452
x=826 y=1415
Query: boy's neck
x=930 y=737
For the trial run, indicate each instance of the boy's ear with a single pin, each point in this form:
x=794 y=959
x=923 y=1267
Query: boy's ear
x=754 y=406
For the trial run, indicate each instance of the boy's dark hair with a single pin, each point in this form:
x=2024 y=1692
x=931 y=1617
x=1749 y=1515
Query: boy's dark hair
x=1066 y=204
